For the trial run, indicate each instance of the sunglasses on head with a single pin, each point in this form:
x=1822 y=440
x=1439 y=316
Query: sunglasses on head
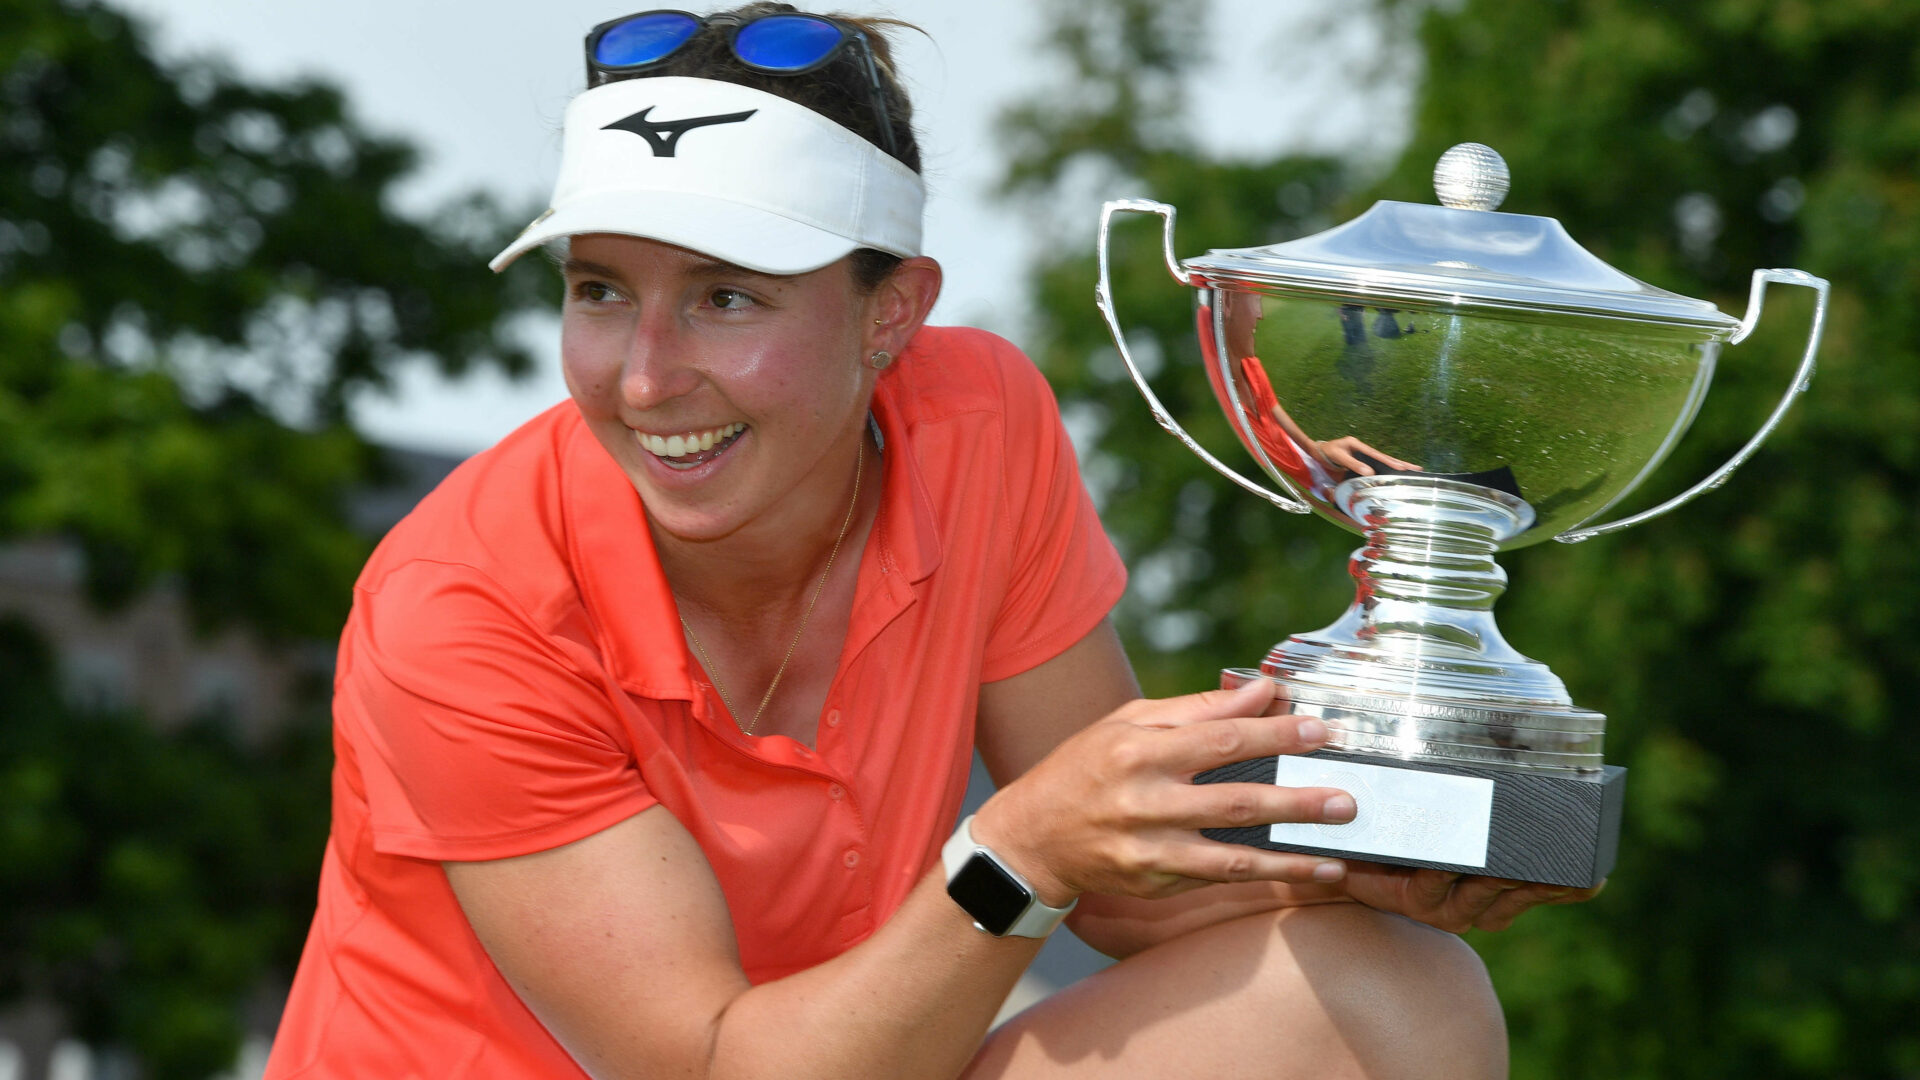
x=785 y=43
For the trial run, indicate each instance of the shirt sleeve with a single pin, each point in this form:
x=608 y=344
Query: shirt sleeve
x=477 y=736
x=1065 y=575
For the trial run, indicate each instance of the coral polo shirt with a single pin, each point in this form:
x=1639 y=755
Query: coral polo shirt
x=513 y=678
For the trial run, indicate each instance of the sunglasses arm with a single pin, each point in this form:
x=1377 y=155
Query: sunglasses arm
x=879 y=92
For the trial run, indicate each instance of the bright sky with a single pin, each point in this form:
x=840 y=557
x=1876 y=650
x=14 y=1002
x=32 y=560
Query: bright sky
x=480 y=87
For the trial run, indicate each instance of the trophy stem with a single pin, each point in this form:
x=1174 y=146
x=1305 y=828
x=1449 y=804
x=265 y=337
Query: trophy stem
x=1425 y=585
x=1416 y=667
x=1429 y=557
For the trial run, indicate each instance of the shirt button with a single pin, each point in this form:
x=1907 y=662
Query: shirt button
x=833 y=718
x=835 y=791
x=851 y=858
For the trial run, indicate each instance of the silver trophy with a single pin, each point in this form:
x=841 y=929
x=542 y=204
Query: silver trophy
x=1502 y=386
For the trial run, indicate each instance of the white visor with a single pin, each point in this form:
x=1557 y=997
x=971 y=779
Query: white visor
x=731 y=172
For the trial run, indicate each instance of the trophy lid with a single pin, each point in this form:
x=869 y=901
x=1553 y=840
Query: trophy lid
x=1463 y=255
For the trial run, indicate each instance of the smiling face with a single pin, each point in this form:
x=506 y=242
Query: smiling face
x=732 y=400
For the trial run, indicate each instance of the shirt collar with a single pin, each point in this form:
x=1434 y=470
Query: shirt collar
x=910 y=531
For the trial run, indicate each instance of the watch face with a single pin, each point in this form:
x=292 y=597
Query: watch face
x=989 y=894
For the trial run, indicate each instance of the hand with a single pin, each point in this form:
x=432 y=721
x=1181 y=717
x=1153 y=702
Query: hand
x=1340 y=453
x=1453 y=902
x=1114 y=809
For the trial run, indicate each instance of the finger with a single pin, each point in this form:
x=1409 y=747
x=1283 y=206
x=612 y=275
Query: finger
x=1210 y=743
x=1578 y=896
x=1427 y=890
x=1337 y=453
x=1240 y=806
x=1390 y=459
x=1473 y=896
x=1251 y=698
x=1209 y=860
x=1387 y=459
x=1515 y=902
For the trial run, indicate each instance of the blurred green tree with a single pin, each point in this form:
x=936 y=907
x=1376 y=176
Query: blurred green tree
x=151 y=881
x=1758 y=650
x=197 y=273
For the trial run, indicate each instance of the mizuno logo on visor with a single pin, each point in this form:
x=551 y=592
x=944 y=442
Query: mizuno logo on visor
x=664 y=135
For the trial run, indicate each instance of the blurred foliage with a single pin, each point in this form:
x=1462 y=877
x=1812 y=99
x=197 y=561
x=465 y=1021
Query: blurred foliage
x=150 y=881
x=197 y=274
x=1758 y=652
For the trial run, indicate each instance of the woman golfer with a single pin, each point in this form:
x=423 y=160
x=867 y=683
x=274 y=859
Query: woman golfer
x=653 y=721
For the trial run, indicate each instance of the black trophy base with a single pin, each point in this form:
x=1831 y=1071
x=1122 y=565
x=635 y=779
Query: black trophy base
x=1558 y=830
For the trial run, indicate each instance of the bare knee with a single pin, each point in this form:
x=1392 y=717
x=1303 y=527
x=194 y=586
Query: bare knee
x=1336 y=991
x=1405 y=1000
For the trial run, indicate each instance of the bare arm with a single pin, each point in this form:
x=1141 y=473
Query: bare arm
x=622 y=943
x=622 y=946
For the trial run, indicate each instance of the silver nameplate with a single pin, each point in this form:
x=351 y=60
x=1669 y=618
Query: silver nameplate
x=1403 y=813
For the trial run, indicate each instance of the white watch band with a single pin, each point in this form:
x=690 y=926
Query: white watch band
x=1038 y=920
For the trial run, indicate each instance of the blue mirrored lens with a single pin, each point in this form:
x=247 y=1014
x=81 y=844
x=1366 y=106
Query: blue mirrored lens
x=644 y=39
x=786 y=42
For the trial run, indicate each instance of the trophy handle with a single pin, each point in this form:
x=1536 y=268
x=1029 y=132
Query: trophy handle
x=1755 y=302
x=1103 y=297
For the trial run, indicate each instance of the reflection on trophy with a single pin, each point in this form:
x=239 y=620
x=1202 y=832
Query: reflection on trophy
x=1448 y=382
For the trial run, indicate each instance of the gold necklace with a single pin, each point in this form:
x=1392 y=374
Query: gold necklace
x=713 y=673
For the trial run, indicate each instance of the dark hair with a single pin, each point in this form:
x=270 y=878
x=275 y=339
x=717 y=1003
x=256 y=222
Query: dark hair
x=870 y=267
x=836 y=90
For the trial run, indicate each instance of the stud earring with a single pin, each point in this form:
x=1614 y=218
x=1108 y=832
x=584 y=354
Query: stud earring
x=879 y=361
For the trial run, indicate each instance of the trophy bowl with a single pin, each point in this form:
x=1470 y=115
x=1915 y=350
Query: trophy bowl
x=1448 y=382
x=1567 y=417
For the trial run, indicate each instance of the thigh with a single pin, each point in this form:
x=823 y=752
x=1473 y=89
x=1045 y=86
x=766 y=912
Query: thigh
x=1336 y=990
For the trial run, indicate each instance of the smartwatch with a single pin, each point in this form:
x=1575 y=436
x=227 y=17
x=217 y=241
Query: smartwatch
x=999 y=900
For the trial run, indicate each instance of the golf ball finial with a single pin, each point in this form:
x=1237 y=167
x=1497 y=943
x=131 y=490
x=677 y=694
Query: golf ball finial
x=1471 y=176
